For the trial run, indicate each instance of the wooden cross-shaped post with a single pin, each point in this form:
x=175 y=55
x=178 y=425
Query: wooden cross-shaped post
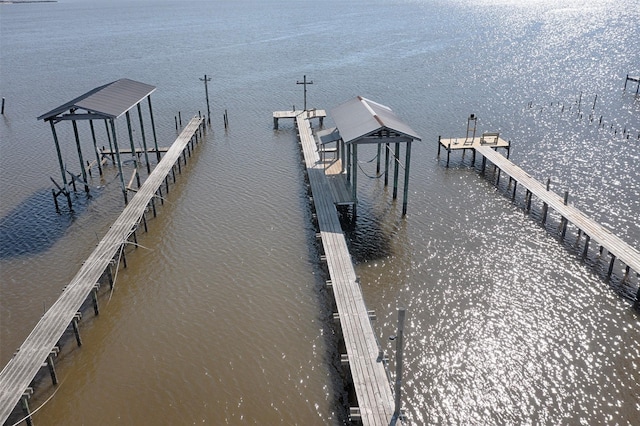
x=305 y=82
x=206 y=92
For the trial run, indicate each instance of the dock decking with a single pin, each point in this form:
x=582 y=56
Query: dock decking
x=39 y=346
x=617 y=248
x=312 y=113
x=372 y=387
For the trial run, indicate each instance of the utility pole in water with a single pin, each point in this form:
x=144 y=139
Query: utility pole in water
x=206 y=92
x=305 y=82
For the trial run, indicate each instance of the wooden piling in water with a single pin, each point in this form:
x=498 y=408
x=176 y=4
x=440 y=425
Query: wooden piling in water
x=36 y=351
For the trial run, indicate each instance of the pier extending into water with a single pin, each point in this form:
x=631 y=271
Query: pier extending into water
x=616 y=248
x=42 y=345
x=364 y=355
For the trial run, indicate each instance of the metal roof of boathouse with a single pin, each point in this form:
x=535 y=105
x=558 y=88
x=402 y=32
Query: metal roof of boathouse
x=104 y=102
x=361 y=120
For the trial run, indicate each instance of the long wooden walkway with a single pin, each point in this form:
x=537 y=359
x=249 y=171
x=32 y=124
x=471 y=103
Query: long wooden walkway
x=372 y=387
x=617 y=248
x=39 y=346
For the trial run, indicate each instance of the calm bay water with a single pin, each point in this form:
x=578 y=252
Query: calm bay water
x=222 y=317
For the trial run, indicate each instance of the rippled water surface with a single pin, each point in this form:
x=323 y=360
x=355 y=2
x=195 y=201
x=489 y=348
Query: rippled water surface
x=221 y=316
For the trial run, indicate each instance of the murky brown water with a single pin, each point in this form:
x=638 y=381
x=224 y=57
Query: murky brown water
x=222 y=317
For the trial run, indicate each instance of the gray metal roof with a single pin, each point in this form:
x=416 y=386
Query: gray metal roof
x=362 y=120
x=108 y=101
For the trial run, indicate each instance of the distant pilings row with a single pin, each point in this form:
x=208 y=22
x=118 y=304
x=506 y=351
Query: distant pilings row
x=577 y=108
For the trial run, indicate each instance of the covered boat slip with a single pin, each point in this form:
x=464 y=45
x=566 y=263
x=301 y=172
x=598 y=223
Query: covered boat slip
x=105 y=103
x=41 y=345
x=331 y=160
x=373 y=391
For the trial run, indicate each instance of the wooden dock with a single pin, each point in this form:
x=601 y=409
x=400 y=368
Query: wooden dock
x=367 y=366
x=41 y=345
x=634 y=79
x=592 y=230
x=489 y=139
x=320 y=114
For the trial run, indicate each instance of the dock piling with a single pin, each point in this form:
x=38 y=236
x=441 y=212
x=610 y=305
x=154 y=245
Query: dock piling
x=399 y=338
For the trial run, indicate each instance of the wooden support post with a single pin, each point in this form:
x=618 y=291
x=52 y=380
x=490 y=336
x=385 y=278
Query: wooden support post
x=378 y=160
x=124 y=256
x=95 y=146
x=110 y=277
x=473 y=157
x=354 y=184
x=349 y=162
x=439 y=144
x=153 y=128
x=25 y=407
x=484 y=164
x=513 y=195
x=448 y=155
x=118 y=160
x=106 y=126
x=52 y=369
x=94 y=296
x=386 y=164
x=627 y=270
x=407 y=164
x=498 y=178
x=399 y=360
x=144 y=221
x=153 y=206
x=144 y=140
x=396 y=169
x=76 y=329
x=586 y=246
x=2 y=112
x=528 y=201
x=62 y=168
x=84 y=171
x=55 y=200
x=134 y=155
x=545 y=208
x=180 y=118
x=613 y=260
x=564 y=219
x=275 y=123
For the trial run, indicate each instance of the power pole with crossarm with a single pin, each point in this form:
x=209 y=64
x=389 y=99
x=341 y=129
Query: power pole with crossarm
x=305 y=82
x=206 y=92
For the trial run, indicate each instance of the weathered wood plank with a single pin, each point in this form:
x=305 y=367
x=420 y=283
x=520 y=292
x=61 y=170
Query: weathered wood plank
x=598 y=233
x=23 y=367
x=369 y=376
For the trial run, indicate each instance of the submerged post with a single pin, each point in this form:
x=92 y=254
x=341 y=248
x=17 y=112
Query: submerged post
x=399 y=338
